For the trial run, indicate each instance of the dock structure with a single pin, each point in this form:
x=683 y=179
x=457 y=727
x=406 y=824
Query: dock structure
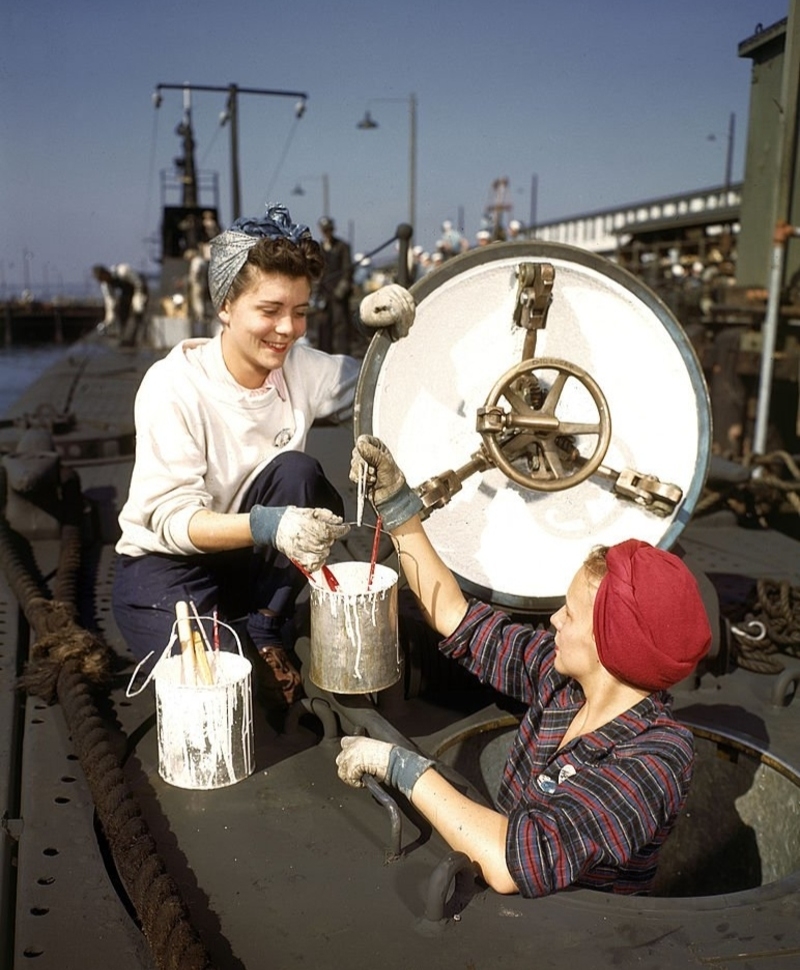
x=56 y=322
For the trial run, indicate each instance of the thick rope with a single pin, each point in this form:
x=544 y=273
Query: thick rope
x=68 y=664
x=777 y=609
x=154 y=894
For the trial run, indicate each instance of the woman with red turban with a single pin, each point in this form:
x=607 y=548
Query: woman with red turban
x=599 y=769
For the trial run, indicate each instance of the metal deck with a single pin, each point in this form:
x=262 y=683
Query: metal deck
x=290 y=867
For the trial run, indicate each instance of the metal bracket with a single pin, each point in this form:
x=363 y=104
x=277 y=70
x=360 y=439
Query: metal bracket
x=436 y=492
x=534 y=295
x=660 y=498
x=656 y=496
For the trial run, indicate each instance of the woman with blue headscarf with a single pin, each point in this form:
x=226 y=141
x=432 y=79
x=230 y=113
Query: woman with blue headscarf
x=222 y=497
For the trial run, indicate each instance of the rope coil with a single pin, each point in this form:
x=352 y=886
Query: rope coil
x=777 y=612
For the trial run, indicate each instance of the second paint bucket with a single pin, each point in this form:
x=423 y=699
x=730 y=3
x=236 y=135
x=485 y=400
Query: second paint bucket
x=355 y=646
x=205 y=732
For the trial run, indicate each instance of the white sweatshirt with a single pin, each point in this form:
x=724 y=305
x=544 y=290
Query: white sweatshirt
x=202 y=438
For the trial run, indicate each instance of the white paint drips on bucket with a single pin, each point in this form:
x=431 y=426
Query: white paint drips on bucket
x=205 y=731
x=354 y=640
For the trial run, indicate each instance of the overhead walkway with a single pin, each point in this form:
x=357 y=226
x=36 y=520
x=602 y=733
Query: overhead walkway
x=694 y=221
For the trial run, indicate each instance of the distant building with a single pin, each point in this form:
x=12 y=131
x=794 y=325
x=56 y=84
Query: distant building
x=731 y=221
x=681 y=227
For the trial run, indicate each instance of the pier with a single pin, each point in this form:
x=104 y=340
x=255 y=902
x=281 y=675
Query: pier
x=34 y=321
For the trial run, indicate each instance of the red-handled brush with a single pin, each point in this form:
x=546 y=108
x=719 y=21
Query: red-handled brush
x=332 y=581
x=373 y=558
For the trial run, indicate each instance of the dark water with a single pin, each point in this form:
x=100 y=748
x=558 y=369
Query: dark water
x=20 y=366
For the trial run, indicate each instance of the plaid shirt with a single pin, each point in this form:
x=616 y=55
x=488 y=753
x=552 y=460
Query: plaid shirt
x=595 y=813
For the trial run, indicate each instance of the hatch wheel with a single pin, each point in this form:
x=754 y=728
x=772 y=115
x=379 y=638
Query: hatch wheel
x=524 y=435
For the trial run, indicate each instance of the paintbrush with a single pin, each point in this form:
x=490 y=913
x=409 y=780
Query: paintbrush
x=330 y=579
x=201 y=644
x=203 y=666
x=374 y=557
x=215 y=634
x=186 y=642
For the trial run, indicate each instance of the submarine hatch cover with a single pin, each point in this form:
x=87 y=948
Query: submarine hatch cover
x=543 y=402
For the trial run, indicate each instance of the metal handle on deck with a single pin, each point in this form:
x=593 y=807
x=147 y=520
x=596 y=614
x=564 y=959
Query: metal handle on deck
x=394 y=850
x=453 y=865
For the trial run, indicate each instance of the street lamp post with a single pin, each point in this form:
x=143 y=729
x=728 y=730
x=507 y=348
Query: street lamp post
x=231 y=114
x=368 y=122
x=27 y=256
x=728 y=155
x=326 y=202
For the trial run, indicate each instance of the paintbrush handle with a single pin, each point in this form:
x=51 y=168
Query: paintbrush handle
x=374 y=557
x=184 y=626
x=202 y=660
x=302 y=569
x=186 y=642
x=331 y=580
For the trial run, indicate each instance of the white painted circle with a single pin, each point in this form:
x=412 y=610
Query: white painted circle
x=514 y=546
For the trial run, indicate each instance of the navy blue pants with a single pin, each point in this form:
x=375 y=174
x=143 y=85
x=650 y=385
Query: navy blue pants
x=239 y=582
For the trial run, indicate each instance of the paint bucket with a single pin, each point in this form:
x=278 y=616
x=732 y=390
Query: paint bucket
x=205 y=731
x=355 y=648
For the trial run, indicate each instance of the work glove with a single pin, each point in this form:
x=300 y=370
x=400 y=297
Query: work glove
x=390 y=306
x=387 y=488
x=304 y=535
x=397 y=766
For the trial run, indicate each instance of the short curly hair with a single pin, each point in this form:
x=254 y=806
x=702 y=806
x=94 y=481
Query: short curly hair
x=295 y=259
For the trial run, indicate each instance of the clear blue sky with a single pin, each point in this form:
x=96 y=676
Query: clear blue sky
x=605 y=101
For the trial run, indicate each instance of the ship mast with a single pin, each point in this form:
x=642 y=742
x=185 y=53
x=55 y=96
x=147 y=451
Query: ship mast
x=187 y=169
x=230 y=114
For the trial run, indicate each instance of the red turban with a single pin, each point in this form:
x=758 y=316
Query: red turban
x=650 y=625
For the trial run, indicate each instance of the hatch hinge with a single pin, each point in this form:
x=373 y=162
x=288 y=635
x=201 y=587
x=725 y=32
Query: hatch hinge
x=534 y=296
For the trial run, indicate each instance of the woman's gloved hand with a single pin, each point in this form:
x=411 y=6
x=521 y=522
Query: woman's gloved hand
x=363 y=756
x=387 y=488
x=397 y=766
x=304 y=535
x=390 y=306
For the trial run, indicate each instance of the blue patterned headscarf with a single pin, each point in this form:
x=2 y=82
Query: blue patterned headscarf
x=230 y=248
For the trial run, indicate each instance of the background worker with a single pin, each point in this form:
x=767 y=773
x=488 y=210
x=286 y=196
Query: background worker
x=599 y=769
x=222 y=496
x=333 y=291
x=125 y=296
